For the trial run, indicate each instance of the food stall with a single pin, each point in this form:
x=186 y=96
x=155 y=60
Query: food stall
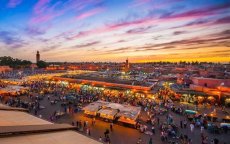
x=213 y=128
x=129 y=115
x=191 y=114
x=124 y=114
x=212 y=117
x=108 y=113
x=225 y=125
x=13 y=90
x=211 y=100
x=94 y=107
x=227 y=102
x=226 y=119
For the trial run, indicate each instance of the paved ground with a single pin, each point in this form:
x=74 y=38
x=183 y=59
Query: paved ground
x=121 y=134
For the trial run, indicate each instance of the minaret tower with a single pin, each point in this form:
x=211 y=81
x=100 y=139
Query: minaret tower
x=37 y=57
x=127 y=65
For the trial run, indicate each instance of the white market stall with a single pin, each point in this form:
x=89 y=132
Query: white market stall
x=108 y=113
x=93 y=108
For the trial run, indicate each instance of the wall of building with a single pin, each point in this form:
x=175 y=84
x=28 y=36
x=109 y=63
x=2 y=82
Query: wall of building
x=210 y=82
x=5 y=69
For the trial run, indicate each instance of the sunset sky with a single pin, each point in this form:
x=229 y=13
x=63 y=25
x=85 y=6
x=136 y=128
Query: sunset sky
x=112 y=30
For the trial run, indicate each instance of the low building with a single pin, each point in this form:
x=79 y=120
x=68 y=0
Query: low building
x=220 y=88
x=210 y=82
x=55 y=67
x=4 y=69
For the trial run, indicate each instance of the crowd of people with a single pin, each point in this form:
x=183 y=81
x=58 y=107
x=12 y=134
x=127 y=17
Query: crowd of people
x=159 y=110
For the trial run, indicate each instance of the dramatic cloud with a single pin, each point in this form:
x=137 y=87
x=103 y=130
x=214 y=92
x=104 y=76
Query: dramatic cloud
x=225 y=33
x=120 y=49
x=111 y=27
x=121 y=41
x=197 y=23
x=116 y=29
x=45 y=10
x=41 y=6
x=10 y=39
x=14 y=3
x=179 y=32
x=34 y=31
x=89 y=13
x=137 y=3
x=139 y=30
x=50 y=48
x=212 y=10
x=192 y=43
x=86 y=44
x=223 y=20
x=150 y=20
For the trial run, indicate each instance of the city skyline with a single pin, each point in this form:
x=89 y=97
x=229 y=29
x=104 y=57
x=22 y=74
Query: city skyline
x=97 y=30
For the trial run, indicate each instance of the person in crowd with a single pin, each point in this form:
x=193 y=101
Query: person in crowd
x=192 y=127
x=111 y=127
x=150 y=141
